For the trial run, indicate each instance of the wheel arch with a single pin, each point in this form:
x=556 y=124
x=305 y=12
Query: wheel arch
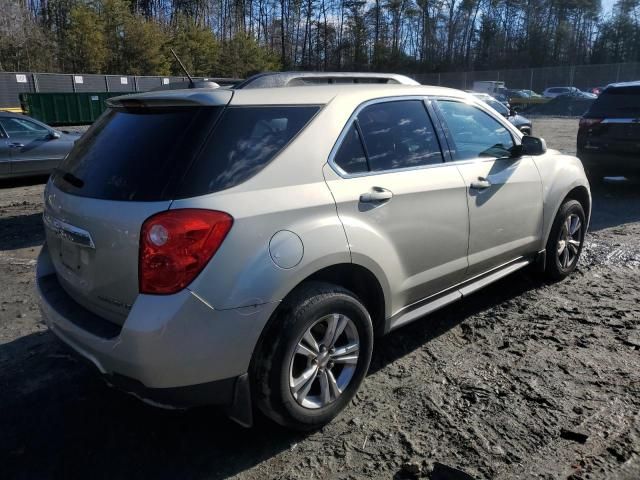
x=355 y=278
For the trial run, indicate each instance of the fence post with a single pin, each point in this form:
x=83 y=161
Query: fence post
x=618 y=74
x=106 y=83
x=439 y=81
x=36 y=87
x=531 y=81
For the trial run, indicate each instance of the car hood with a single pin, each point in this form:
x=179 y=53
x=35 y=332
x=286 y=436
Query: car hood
x=519 y=120
x=70 y=135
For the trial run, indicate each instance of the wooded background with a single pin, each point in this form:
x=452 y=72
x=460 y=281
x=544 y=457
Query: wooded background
x=236 y=38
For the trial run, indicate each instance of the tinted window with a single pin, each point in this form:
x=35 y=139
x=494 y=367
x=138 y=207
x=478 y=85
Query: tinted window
x=245 y=141
x=618 y=102
x=398 y=135
x=21 y=127
x=159 y=154
x=135 y=154
x=350 y=156
x=473 y=132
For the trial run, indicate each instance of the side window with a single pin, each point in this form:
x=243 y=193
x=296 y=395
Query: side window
x=473 y=132
x=350 y=156
x=19 y=126
x=398 y=135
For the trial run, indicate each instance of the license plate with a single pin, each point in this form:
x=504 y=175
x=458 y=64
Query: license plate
x=70 y=255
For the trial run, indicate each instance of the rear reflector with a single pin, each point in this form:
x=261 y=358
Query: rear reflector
x=176 y=245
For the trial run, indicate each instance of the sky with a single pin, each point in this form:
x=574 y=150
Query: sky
x=607 y=5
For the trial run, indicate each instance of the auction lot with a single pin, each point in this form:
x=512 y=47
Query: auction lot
x=524 y=379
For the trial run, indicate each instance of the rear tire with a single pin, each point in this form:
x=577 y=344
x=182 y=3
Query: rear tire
x=314 y=356
x=566 y=240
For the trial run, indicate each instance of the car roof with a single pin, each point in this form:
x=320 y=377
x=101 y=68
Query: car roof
x=635 y=83
x=299 y=95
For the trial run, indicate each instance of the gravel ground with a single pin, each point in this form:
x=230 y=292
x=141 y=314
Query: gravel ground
x=525 y=379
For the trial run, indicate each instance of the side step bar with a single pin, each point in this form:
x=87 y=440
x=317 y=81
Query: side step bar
x=442 y=299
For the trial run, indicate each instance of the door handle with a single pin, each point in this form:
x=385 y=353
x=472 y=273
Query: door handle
x=480 y=184
x=16 y=145
x=377 y=194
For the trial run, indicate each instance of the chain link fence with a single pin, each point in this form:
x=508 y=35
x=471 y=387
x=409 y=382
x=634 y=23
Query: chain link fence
x=538 y=79
x=12 y=84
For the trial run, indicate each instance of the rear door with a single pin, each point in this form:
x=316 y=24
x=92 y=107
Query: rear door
x=403 y=209
x=504 y=194
x=33 y=149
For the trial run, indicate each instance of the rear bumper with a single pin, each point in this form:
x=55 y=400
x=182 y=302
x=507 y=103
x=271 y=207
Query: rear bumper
x=610 y=163
x=174 y=350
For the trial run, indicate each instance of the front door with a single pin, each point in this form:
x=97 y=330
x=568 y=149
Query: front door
x=5 y=155
x=403 y=209
x=504 y=193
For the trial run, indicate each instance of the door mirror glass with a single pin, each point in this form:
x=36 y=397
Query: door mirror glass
x=533 y=145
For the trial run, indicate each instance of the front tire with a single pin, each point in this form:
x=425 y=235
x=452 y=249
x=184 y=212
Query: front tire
x=566 y=240
x=314 y=357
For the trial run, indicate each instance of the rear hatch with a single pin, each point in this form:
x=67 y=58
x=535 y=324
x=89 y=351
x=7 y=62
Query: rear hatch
x=126 y=168
x=612 y=124
x=131 y=164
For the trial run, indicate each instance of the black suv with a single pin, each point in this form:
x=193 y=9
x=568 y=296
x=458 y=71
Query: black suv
x=609 y=133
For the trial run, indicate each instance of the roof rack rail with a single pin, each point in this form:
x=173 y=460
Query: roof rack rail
x=297 y=79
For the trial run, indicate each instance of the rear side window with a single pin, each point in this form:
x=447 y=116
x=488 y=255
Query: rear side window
x=617 y=102
x=398 y=135
x=151 y=154
x=350 y=157
x=243 y=143
x=395 y=135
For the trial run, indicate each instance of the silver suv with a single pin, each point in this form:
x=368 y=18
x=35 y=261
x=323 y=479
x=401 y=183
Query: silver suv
x=244 y=247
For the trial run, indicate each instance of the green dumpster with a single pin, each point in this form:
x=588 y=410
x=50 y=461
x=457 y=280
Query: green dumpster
x=66 y=108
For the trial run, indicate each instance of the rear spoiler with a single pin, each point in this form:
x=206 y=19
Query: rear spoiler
x=173 y=98
x=297 y=79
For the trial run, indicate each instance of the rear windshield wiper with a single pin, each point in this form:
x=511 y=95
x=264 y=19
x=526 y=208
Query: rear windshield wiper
x=70 y=178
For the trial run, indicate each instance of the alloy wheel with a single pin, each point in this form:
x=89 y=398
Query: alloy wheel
x=569 y=241
x=324 y=361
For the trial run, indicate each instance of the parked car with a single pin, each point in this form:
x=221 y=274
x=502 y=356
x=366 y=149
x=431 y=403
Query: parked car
x=531 y=94
x=554 y=92
x=579 y=95
x=245 y=246
x=511 y=93
x=521 y=123
x=609 y=133
x=29 y=147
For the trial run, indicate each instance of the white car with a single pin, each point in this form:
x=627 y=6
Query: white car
x=554 y=92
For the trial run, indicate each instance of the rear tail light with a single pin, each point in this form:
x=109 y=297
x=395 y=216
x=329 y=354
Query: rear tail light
x=176 y=245
x=589 y=122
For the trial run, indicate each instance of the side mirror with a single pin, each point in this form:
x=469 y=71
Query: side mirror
x=512 y=112
x=53 y=135
x=533 y=145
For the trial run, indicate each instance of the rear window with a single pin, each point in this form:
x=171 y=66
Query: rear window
x=620 y=102
x=159 y=154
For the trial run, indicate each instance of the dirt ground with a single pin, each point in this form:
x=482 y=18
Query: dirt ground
x=525 y=379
